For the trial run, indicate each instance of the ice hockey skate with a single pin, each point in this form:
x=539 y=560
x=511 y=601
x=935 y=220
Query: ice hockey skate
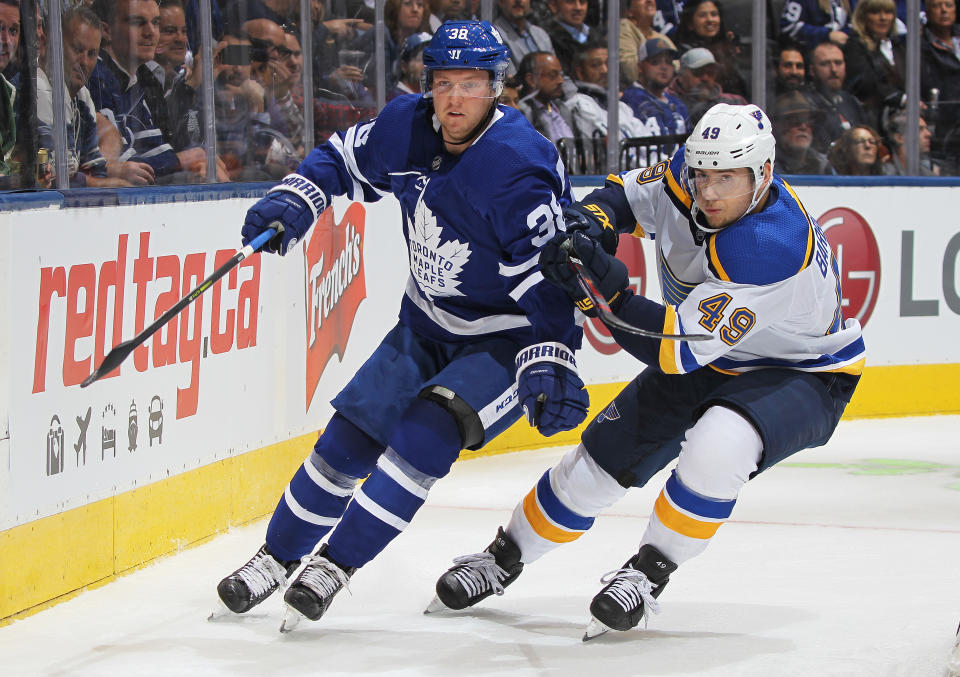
x=310 y=594
x=631 y=592
x=476 y=577
x=953 y=663
x=252 y=583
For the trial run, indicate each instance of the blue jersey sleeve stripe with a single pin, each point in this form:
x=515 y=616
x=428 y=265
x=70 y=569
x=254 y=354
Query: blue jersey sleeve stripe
x=696 y=505
x=556 y=510
x=848 y=359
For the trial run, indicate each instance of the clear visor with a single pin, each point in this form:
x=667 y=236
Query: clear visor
x=709 y=185
x=473 y=89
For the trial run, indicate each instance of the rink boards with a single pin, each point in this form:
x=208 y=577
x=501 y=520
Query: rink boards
x=203 y=425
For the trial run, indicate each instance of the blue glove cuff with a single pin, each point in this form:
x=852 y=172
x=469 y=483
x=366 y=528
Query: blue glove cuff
x=306 y=190
x=552 y=352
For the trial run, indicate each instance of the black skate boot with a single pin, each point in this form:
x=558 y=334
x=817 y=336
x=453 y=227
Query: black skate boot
x=630 y=593
x=476 y=577
x=256 y=580
x=313 y=590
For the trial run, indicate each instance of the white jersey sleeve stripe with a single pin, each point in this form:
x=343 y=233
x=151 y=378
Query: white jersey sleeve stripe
x=345 y=148
x=520 y=268
x=525 y=286
x=457 y=325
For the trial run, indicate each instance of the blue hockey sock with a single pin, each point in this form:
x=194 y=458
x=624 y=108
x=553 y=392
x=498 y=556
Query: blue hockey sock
x=422 y=448
x=318 y=493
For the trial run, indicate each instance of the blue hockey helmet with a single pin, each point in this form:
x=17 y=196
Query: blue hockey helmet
x=468 y=45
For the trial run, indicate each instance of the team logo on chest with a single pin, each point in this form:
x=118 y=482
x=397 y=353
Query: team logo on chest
x=435 y=264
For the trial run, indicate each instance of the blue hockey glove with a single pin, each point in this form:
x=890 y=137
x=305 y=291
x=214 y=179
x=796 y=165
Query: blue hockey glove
x=549 y=389
x=609 y=274
x=592 y=221
x=291 y=207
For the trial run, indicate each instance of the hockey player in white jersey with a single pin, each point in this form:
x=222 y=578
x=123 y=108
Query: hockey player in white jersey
x=481 y=335
x=739 y=259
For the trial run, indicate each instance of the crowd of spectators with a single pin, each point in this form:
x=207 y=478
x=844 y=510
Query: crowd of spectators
x=134 y=82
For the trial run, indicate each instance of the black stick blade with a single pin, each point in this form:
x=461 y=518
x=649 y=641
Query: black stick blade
x=113 y=360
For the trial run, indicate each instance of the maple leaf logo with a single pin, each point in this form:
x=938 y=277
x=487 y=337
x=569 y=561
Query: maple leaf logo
x=434 y=265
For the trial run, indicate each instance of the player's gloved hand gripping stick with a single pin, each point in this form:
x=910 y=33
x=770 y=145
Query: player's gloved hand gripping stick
x=611 y=281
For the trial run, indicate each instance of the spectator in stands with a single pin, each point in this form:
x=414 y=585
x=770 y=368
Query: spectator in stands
x=118 y=89
x=172 y=42
x=9 y=42
x=510 y=96
x=659 y=111
x=238 y=12
x=857 y=152
x=567 y=29
x=542 y=96
x=896 y=163
x=589 y=104
x=696 y=84
x=410 y=66
x=448 y=10
x=701 y=25
x=329 y=37
x=667 y=18
x=876 y=59
x=286 y=103
x=85 y=163
x=940 y=71
x=636 y=27
x=790 y=71
x=9 y=34
x=810 y=22
x=793 y=122
x=244 y=135
x=267 y=43
x=841 y=110
x=402 y=18
x=521 y=36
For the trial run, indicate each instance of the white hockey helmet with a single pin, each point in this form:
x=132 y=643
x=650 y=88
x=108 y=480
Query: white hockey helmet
x=730 y=137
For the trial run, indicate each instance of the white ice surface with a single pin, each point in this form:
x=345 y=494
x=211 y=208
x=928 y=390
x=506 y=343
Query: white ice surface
x=848 y=569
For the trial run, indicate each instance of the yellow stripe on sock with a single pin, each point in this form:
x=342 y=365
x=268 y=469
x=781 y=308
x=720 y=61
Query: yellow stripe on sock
x=683 y=524
x=544 y=527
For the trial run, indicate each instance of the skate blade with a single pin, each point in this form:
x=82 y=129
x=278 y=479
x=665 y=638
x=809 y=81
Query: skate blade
x=594 y=629
x=953 y=663
x=436 y=605
x=291 y=619
x=220 y=612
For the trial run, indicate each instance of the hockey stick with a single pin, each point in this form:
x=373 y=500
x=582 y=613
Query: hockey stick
x=603 y=308
x=123 y=349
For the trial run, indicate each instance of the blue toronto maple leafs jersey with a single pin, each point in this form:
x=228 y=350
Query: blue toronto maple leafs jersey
x=474 y=223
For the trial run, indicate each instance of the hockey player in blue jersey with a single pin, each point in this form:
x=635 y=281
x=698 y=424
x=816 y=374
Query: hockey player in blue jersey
x=481 y=337
x=739 y=260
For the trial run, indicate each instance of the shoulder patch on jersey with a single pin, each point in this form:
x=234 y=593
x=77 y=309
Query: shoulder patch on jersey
x=765 y=248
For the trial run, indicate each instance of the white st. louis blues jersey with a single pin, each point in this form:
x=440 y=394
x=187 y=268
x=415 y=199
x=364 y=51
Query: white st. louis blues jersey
x=474 y=223
x=766 y=288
